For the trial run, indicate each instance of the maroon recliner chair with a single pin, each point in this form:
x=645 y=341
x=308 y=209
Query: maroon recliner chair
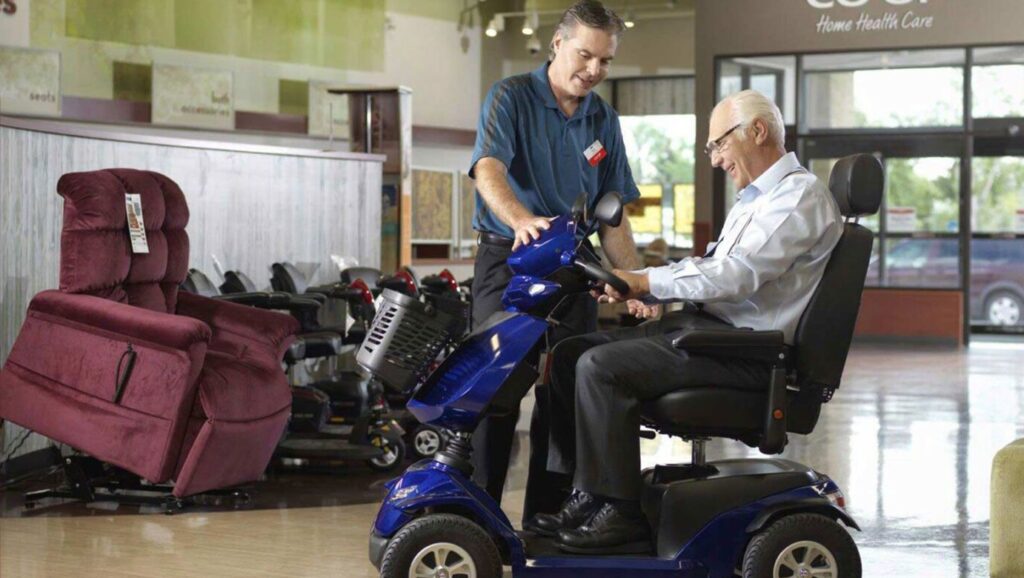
x=120 y=365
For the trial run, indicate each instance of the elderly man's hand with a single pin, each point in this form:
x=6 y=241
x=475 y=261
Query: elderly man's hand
x=641 y=310
x=638 y=286
x=528 y=230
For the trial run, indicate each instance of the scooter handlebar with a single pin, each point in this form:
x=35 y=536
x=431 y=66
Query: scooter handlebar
x=598 y=273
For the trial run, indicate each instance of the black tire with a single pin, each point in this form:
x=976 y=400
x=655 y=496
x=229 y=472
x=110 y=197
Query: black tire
x=767 y=547
x=394 y=455
x=1001 y=305
x=432 y=531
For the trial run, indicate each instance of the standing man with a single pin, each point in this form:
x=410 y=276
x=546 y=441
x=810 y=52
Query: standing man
x=542 y=139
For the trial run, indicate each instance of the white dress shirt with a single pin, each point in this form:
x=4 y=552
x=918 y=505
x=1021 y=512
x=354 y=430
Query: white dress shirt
x=772 y=253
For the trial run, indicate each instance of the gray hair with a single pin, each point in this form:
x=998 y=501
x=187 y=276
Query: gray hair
x=590 y=13
x=749 y=105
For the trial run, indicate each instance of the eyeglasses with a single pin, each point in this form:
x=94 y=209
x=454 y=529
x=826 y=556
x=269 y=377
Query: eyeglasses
x=716 y=145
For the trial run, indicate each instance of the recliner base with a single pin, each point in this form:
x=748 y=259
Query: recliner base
x=90 y=480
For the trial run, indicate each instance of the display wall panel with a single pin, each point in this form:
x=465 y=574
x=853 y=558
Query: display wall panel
x=247 y=209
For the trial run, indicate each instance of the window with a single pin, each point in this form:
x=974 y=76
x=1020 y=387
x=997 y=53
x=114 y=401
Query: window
x=660 y=149
x=997 y=194
x=921 y=88
x=922 y=195
x=996 y=81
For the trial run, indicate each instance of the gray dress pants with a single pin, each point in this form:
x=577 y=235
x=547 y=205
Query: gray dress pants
x=598 y=381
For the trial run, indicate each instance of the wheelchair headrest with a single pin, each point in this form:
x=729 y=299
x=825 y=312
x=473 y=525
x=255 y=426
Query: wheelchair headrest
x=856 y=183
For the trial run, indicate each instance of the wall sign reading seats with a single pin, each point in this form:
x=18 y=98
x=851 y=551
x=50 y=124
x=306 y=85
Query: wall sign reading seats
x=8 y=7
x=868 y=22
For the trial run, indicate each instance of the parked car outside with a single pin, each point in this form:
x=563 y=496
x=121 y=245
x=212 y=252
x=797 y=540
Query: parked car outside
x=997 y=274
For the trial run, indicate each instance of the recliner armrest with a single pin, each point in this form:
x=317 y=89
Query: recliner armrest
x=741 y=343
x=123 y=319
x=237 y=328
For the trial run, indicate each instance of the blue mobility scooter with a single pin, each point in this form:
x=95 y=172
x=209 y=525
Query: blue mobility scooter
x=750 y=517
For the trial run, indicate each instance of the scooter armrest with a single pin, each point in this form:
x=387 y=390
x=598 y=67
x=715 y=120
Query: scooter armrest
x=741 y=343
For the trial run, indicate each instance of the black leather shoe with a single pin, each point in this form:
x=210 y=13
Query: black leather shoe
x=612 y=530
x=575 y=510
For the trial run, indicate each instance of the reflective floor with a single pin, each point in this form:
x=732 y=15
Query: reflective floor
x=910 y=438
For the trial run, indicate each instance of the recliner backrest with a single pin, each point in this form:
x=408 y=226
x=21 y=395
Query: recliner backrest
x=96 y=255
x=825 y=331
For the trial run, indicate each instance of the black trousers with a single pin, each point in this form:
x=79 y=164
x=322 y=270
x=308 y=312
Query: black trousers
x=492 y=441
x=597 y=384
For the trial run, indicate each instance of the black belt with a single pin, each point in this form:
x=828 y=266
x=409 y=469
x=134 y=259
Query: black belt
x=495 y=240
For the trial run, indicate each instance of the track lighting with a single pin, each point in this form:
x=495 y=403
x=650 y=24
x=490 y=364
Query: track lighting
x=496 y=25
x=530 y=24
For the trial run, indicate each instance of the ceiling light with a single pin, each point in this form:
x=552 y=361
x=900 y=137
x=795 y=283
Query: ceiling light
x=530 y=24
x=496 y=25
x=630 y=21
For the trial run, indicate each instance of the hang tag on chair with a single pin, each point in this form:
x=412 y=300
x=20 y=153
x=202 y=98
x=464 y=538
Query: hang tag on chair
x=136 y=225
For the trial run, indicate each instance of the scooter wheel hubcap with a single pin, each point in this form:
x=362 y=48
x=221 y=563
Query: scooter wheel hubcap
x=806 y=559
x=442 y=560
x=427 y=442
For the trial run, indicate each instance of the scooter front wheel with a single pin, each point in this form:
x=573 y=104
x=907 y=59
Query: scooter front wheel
x=441 y=545
x=802 y=545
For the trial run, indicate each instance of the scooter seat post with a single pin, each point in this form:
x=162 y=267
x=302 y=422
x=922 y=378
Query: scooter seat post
x=697 y=455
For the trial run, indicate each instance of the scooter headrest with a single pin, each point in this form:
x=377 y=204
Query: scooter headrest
x=856 y=183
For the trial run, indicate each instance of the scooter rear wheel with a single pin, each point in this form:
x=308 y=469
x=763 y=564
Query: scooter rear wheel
x=441 y=541
x=802 y=545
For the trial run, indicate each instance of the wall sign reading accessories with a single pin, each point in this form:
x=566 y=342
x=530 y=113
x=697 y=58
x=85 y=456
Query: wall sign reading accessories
x=891 y=20
x=184 y=96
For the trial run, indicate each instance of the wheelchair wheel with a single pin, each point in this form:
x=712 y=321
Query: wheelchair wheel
x=426 y=441
x=802 y=545
x=394 y=452
x=441 y=545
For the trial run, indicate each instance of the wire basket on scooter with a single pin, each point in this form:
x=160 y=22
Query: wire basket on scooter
x=407 y=335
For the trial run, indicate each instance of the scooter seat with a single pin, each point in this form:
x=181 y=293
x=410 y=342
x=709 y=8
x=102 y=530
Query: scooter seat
x=707 y=411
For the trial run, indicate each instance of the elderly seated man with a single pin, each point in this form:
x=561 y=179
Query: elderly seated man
x=760 y=274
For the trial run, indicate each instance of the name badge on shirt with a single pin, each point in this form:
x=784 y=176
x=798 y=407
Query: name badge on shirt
x=595 y=153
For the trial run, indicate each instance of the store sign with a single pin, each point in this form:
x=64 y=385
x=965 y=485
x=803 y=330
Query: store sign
x=901 y=220
x=29 y=81
x=328 y=113
x=1018 y=225
x=875 y=16
x=193 y=97
x=14 y=30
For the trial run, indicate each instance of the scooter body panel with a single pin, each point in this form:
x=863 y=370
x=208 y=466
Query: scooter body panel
x=546 y=255
x=429 y=484
x=456 y=395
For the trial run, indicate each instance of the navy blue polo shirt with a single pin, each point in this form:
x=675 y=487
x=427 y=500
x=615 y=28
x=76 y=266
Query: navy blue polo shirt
x=522 y=126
